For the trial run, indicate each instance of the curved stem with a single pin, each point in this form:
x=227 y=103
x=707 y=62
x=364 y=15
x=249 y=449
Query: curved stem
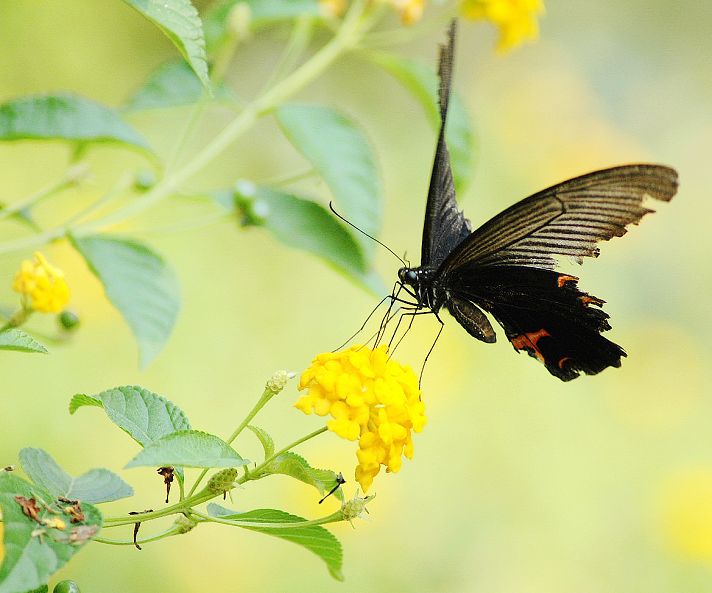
x=345 y=39
x=180 y=507
x=272 y=457
x=116 y=542
x=71 y=177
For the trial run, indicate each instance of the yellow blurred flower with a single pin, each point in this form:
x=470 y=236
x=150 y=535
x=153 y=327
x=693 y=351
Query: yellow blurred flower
x=42 y=285
x=515 y=19
x=372 y=399
x=411 y=11
x=332 y=8
x=2 y=542
x=686 y=513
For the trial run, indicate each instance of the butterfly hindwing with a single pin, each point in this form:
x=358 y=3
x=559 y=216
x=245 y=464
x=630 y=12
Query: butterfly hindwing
x=445 y=226
x=545 y=314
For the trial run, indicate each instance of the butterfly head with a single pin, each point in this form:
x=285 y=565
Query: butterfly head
x=408 y=276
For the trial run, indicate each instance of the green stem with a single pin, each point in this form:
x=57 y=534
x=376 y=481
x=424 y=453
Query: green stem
x=115 y=542
x=298 y=42
x=348 y=36
x=287 y=178
x=333 y=518
x=271 y=458
x=71 y=177
x=267 y=395
x=180 y=507
x=345 y=39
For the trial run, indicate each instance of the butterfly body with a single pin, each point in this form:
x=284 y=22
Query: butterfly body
x=507 y=268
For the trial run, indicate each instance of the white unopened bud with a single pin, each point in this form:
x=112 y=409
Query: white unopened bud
x=278 y=381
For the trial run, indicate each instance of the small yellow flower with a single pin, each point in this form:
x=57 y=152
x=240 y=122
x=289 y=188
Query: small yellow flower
x=42 y=285
x=411 y=11
x=686 y=513
x=515 y=19
x=2 y=542
x=371 y=399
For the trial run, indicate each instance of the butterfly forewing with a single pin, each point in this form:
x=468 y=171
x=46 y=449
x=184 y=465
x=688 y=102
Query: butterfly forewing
x=445 y=226
x=565 y=219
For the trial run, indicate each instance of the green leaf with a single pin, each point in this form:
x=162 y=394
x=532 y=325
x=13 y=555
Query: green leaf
x=95 y=486
x=30 y=559
x=291 y=464
x=80 y=399
x=171 y=85
x=16 y=339
x=341 y=154
x=264 y=438
x=314 y=538
x=301 y=224
x=139 y=283
x=262 y=13
x=66 y=117
x=179 y=21
x=422 y=84
x=144 y=415
x=189 y=448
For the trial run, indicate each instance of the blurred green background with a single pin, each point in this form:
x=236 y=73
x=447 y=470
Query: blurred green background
x=519 y=483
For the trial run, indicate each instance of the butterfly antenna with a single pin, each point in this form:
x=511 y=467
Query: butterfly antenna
x=331 y=207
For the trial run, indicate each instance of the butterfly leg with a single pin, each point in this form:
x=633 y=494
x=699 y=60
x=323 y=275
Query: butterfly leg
x=395 y=332
x=378 y=306
x=422 y=369
x=395 y=298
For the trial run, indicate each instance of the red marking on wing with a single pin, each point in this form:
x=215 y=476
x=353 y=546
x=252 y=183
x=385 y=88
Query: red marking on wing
x=563 y=360
x=563 y=279
x=587 y=299
x=528 y=341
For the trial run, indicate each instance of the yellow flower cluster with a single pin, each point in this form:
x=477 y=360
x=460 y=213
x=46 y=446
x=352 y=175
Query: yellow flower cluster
x=371 y=398
x=42 y=284
x=516 y=19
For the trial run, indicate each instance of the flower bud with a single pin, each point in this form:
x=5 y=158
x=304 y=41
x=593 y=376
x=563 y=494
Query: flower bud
x=278 y=381
x=68 y=320
x=356 y=507
x=223 y=481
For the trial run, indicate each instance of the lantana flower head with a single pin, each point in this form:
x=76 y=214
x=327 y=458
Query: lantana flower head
x=515 y=19
x=42 y=284
x=371 y=399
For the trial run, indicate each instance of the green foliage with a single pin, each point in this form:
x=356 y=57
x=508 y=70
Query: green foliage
x=16 y=339
x=66 y=117
x=422 y=83
x=144 y=415
x=265 y=439
x=301 y=224
x=139 y=283
x=295 y=466
x=33 y=548
x=145 y=290
x=95 y=486
x=189 y=448
x=179 y=21
x=172 y=84
x=340 y=152
x=314 y=538
x=260 y=13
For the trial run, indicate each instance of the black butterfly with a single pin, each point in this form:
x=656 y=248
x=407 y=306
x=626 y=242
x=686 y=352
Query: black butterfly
x=507 y=266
